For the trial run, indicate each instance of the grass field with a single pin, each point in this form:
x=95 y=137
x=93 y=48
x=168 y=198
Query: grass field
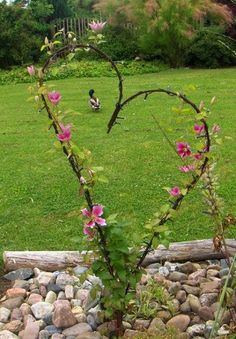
x=39 y=193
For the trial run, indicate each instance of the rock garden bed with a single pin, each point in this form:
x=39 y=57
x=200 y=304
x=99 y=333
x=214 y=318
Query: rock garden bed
x=174 y=300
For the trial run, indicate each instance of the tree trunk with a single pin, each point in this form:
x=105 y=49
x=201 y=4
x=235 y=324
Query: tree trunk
x=196 y=250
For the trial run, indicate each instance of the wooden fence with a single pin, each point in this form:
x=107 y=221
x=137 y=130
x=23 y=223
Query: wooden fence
x=77 y=25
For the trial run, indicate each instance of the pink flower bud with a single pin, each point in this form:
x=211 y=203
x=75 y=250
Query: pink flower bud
x=31 y=70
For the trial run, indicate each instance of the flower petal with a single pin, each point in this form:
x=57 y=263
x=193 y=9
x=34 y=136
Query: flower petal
x=86 y=212
x=97 y=210
x=91 y=223
x=100 y=221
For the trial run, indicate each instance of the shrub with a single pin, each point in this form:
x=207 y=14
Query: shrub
x=81 y=69
x=207 y=50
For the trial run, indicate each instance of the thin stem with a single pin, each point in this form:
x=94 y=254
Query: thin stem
x=222 y=298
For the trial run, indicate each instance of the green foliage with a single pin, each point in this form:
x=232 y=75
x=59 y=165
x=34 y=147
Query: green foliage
x=151 y=299
x=61 y=9
x=120 y=274
x=121 y=43
x=21 y=33
x=81 y=69
x=207 y=50
x=165 y=28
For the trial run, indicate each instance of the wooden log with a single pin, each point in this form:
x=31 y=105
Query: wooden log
x=196 y=250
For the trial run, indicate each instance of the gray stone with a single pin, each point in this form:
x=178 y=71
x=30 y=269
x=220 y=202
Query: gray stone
x=224 y=263
x=181 y=296
x=185 y=307
x=41 y=309
x=191 y=289
x=180 y=322
x=2 y=326
x=12 y=303
x=21 y=284
x=177 y=276
x=82 y=295
x=224 y=272
x=44 y=278
x=69 y=292
x=194 y=303
x=75 y=302
x=207 y=299
x=51 y=329
x=141 y=324
x=187 y=268
x=155 y=265
x=61 y=296
x=7 y=335
x=48 y=319
x=51 y=297
x=64 y=279
x=152 y=271
x=41 y=324
x=4 y=314
x=77 y=329
x=44 y=334
x=156 y=326
x=171 y=266
x=174 y=288
x=54 y=287
x=20 y=274
x=78 y=270
x=94 y=280
x=87 y=285
x=197 y=329
x=164 y=271
x=95 y=317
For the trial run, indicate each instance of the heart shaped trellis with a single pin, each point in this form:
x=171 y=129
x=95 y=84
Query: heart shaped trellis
x=118 y=265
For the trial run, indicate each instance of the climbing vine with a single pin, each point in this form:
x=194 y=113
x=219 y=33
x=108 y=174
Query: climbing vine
x=118 y=265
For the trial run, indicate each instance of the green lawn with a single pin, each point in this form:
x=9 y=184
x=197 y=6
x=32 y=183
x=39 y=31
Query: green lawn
x=39 y=193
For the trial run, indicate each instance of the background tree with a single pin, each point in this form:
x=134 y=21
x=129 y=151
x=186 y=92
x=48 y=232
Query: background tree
x=81 y=8
x=166 y=27
x=22 y=30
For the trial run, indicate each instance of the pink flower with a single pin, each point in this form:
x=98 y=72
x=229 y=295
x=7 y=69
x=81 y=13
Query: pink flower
x=198 y=129
x=66 y=133
x=94 y=216
x=54 y=97
x=215 y=129
x=183 y=149
x=198 y=156
x=31 y=70
x=187 y=168
x=175 y=191
x=97 y=27
x=89 y=232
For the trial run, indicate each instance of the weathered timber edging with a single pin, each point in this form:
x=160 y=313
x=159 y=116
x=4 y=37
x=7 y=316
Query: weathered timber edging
x=195 y=250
